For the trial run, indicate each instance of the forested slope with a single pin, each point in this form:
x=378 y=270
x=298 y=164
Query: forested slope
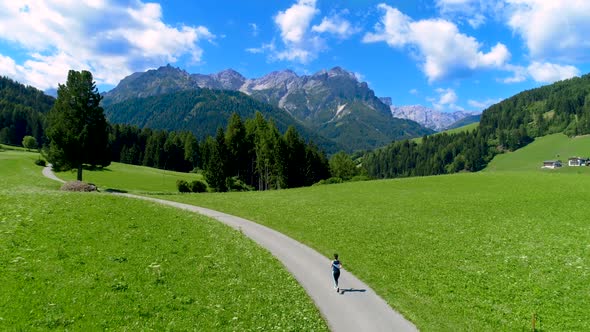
x=22 y=111
x=562 y=107
x=202 y=112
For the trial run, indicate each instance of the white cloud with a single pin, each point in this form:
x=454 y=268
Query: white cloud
x=442 y=49
x=447 y=100
x=481 y=105
x=8 y=66
x=447 y=96
x=414 y=92
x=295 y=21
x=519 y=74
x=335 y=25
x=108 y=38
x=542 y=72
x=552 y=30
x=302 y=41
x=549 y=72
x=294 y=25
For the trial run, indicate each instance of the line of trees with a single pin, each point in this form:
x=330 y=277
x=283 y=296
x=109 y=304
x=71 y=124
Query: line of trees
x=437 y=154
x=250 y=154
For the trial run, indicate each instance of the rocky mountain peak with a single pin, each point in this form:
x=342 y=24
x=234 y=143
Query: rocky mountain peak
x=339 y=71
x=229 y=73
x=429 y=118
x=386 y=100
x=274 y=79
x=168 y=69
x=229 y=79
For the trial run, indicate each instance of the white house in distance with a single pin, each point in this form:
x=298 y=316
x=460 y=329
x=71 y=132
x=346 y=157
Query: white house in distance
x=551 y=164
x=577 y=161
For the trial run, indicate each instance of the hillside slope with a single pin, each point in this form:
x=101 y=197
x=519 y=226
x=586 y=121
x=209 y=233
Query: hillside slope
x=561 y=107
x=550 y=147
x=22 y=111
x=201 y=112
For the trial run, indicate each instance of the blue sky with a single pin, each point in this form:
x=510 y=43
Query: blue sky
x=445 y=54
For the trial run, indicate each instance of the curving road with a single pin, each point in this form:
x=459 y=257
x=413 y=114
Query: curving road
x=358 y=308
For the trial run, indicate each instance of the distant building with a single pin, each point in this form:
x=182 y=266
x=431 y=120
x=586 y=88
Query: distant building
x=551 y=164
x=577 y=161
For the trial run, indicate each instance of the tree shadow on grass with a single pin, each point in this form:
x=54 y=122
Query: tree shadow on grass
x=116 y=191
x=95 y=168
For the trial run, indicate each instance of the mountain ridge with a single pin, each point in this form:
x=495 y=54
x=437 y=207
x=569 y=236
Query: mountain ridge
x=332 y=102
x=430 y=118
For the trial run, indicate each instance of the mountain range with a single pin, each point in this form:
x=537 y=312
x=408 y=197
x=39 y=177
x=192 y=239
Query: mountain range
x=332 y=103
x=432 y=119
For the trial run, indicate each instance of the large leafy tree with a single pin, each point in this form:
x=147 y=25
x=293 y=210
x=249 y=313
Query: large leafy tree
x=77 y=127
x=342 y=166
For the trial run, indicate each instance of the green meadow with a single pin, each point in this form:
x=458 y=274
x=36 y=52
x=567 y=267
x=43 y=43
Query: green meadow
x=466 y=128
x=478 y=252
x=94 y=261
x=481 y=251
x=120 y=176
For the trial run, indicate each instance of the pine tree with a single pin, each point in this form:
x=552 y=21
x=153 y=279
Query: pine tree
x=237 y=148
x=77 y=127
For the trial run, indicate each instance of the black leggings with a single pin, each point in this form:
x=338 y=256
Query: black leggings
x=336 y=275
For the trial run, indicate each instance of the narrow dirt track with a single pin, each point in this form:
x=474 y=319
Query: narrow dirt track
x=358 y=308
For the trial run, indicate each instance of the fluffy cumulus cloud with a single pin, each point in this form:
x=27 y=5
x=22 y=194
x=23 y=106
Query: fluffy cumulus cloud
x=112 y=39
x=447 y=100
x=546 y=72
x=299 y=40
x=442 y=49
x=554 y=31
x=336 y=25
x=542 y=72
x=294 y=23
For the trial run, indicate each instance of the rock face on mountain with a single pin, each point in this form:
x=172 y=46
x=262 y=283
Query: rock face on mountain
x=163 y=80
x=430 y=118
x=332 y=102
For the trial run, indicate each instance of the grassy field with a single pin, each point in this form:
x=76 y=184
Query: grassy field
x=465 y=252
x=483 y=251
x=466 y=128
x=469 y=127
x=132 y=178
x=551 y=147
x=92 y=261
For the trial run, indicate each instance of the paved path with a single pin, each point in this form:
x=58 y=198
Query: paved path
x=47 y=172
x=357 y=309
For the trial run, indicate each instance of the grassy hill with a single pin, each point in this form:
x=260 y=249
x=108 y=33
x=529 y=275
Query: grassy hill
x=92 y=261
x=551 y=147
x=466 y=128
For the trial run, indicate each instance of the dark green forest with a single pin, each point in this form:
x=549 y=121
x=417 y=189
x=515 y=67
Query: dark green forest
x=247 y=155
x=506 y=126
x=22 y=112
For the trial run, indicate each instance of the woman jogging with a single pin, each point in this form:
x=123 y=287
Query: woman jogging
x=336 y=266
